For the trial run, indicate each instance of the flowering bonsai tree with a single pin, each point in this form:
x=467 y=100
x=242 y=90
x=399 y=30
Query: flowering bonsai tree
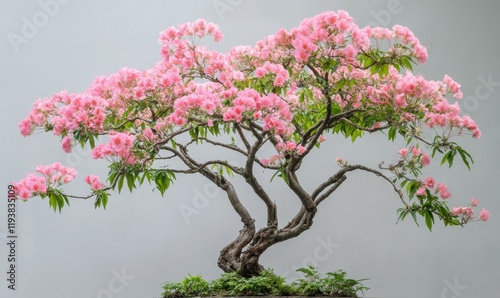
x=271 y=106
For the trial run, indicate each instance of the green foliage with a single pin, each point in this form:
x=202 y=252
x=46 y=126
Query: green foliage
x=190 y=286
x=267 y=284
x=333 y=284
x=450 y=150
x=135 y=175
x=56 y=199
x=428 y=206
x=101 y=199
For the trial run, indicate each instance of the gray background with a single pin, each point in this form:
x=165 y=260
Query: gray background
x=79 y=252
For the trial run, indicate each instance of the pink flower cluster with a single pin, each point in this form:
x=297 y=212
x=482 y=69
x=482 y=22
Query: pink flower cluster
x=467 y=213
x=282 y=148
x=120 y=145
x=276 y=69
x=94 y=182
x=417 y=155
x=332 y=29
x=30 y=186
x=178 y=50
x=429 y=183
x=53 y=175
x=290 y=146
x=74 y=110
x=444 y=114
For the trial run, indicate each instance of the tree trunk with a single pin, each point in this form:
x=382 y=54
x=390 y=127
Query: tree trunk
x=245 y=260
x=262 y=240
x=244 y=257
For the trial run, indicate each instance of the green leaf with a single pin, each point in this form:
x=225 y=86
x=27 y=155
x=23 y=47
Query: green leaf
x=65 y=199
x=330 y=65
x=412 y=188
x=145 y=175
x=104 y=199
x=446 y=158
x=274 y=175
x=402 y=214
x=127 y=112
x=166 y=181
x=383 y=70
x=414 y=215
x=130 y=181
x=112 y=176
x=306 y=271
x=450 y=158
x=91 y=140
x=429 y=220
x=163 y=180
x=53 y=201
x=465 y=156
x=392 y=133
x=120 y=182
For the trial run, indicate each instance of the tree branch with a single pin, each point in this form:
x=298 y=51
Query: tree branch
x=364 y=128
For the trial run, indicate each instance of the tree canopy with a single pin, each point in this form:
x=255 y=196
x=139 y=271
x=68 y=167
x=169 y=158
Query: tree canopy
x=288 y=93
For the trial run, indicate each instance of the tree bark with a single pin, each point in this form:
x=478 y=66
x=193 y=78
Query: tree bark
x=246 y=261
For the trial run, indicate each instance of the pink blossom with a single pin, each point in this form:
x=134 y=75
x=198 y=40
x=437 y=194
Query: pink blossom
x=53 y=175
x=279 y=81
x=281 y=146
x=149 y=135
x=322 y=138
x=484 y=215
x=421 y=191
x=474 y=202
x=403 y=152
x=429 y=182
x=468 y=212
x=425 y=160
x=25 y=127
x=66 y=144
x=455 y=211
x=24 y=193
x=416 y=151
x=476 y=134
x=301 y=149
x=291 y=145
x=120 y=145
x=443 y=190
x=400 y=101
x=94 y=182
x=117 y=142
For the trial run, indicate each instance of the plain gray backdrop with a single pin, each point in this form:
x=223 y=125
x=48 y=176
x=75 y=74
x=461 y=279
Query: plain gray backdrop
x=147 y=240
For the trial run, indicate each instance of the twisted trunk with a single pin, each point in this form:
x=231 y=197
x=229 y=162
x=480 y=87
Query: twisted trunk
x=243 y=256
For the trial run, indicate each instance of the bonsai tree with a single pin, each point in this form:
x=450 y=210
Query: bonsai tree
x=270 y=107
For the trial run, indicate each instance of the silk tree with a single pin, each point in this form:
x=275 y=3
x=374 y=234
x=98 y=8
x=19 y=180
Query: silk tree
x=271 y=106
